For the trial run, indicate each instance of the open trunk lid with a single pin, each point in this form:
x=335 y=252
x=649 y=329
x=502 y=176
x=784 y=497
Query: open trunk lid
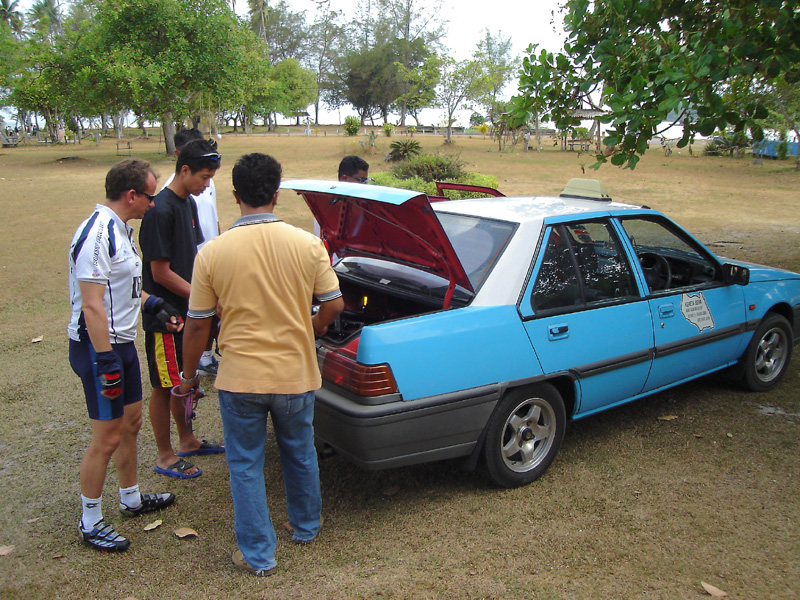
x=389 y=223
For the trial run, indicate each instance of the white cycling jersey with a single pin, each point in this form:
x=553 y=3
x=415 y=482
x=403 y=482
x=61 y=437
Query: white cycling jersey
x=103 y=252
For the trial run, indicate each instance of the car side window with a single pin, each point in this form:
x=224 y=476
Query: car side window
x=605 y=271
x=669 y=259
x=557 y=284
x=583 y=265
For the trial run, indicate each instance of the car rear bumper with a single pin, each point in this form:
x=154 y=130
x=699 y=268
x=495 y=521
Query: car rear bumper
x=399 y=433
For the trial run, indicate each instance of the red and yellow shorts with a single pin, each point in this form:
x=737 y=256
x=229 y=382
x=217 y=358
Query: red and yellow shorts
x=164 y=358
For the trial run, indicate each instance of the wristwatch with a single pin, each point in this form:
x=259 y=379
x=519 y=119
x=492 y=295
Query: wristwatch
x=188 y=379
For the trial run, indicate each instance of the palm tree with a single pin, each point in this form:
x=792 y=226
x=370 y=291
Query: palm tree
x=259 y=17
x=45 y=15
x=10 y=13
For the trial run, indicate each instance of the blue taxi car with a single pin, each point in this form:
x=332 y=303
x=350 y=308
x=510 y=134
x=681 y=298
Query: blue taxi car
x=479 y=328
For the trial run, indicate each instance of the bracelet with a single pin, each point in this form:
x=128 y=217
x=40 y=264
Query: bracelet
x=176 y=392
x=188 y=379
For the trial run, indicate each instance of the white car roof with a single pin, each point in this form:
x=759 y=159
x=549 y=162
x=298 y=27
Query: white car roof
x=527 y=209
x=503 y=285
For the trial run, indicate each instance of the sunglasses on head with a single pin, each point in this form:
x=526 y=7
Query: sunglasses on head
x=363 y=179
x=215 y=156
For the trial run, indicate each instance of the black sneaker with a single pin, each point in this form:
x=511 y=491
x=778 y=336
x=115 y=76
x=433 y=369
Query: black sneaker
x=150 y=502
x=103 y=537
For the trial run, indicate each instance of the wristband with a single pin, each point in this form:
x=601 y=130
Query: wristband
x=152 y=304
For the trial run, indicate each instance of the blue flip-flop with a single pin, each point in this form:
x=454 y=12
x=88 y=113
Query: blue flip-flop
x=178 y=470
x=206 y=447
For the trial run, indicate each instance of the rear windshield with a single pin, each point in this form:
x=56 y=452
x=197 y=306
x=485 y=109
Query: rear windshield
x=477 y=242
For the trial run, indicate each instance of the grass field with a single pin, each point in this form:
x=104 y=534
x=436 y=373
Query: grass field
x=633 y=507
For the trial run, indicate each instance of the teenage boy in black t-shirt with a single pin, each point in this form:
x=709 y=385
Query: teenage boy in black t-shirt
x=168 y=240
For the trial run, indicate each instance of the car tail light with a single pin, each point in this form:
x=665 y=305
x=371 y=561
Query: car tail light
x=341 y=368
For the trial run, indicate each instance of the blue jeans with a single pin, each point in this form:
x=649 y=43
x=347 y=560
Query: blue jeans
x=244 y=420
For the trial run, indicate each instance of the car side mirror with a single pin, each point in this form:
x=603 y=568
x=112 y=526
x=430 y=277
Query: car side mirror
x=736 y=274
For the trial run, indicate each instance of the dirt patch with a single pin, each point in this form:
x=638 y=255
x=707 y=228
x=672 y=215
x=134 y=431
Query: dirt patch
x=70 y=159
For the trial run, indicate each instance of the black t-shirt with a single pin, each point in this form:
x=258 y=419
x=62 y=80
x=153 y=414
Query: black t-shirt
x=169 y=230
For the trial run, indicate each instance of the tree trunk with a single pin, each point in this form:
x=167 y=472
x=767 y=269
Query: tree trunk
x=51 y=123
x=117 y=120
x=168 y=127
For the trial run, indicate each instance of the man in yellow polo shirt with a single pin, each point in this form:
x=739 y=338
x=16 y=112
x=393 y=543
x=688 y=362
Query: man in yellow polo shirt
x=261 y=274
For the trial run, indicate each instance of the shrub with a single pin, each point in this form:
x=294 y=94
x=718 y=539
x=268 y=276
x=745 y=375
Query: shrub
x=388 y=128
x=430 y=167
x=428 y=187
x=403 y=150
x=352 y=125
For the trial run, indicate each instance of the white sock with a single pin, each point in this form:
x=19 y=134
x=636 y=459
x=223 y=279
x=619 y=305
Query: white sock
x=130 y=497
x=206 y=358
x=92 y=512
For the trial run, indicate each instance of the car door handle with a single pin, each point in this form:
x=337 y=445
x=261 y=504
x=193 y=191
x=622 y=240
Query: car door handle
x=666 y=310
x=559 y=331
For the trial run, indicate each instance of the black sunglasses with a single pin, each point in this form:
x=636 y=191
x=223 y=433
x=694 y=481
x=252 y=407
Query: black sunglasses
x=150 y=197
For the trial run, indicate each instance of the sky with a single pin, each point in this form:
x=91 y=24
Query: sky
x=523 y=21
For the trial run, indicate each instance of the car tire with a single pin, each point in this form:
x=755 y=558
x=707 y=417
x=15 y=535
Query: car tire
x=524 y=434
x=768 y=354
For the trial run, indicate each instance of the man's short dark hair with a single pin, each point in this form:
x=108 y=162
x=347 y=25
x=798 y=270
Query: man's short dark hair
x=351 y=165
x=130 y=174
x=256 y=179
x=184 y=136
x=198 y=155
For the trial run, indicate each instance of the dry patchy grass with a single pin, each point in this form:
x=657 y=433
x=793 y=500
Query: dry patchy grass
x=633 y=507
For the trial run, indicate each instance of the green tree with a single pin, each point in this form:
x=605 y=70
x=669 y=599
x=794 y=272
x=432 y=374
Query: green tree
x=326 y=43
x=283 y=31
x=162 y=56
x=12 y=16
x=413 y=26
x=647 y=59
x=459 y=83
x=497 y=67
x=45 y=18
x=293 y=88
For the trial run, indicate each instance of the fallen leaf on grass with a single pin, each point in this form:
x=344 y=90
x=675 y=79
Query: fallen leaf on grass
x=153 y=525
x=668 y=418
x=131 y=598
x=392 y=491
x=185 y=532
x=37 y=339
x=58 y=556
x=6 y=550
x=288 y=526
x=730 y=435
x=32 y=520
x=716 y=592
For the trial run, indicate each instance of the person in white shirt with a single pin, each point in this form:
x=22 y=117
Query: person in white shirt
x=105 y=282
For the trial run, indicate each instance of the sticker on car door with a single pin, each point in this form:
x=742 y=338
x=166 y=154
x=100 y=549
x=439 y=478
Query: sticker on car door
x=695 y=310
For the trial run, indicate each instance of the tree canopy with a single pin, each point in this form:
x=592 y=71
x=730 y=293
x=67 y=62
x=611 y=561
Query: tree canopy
x=647 y=60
